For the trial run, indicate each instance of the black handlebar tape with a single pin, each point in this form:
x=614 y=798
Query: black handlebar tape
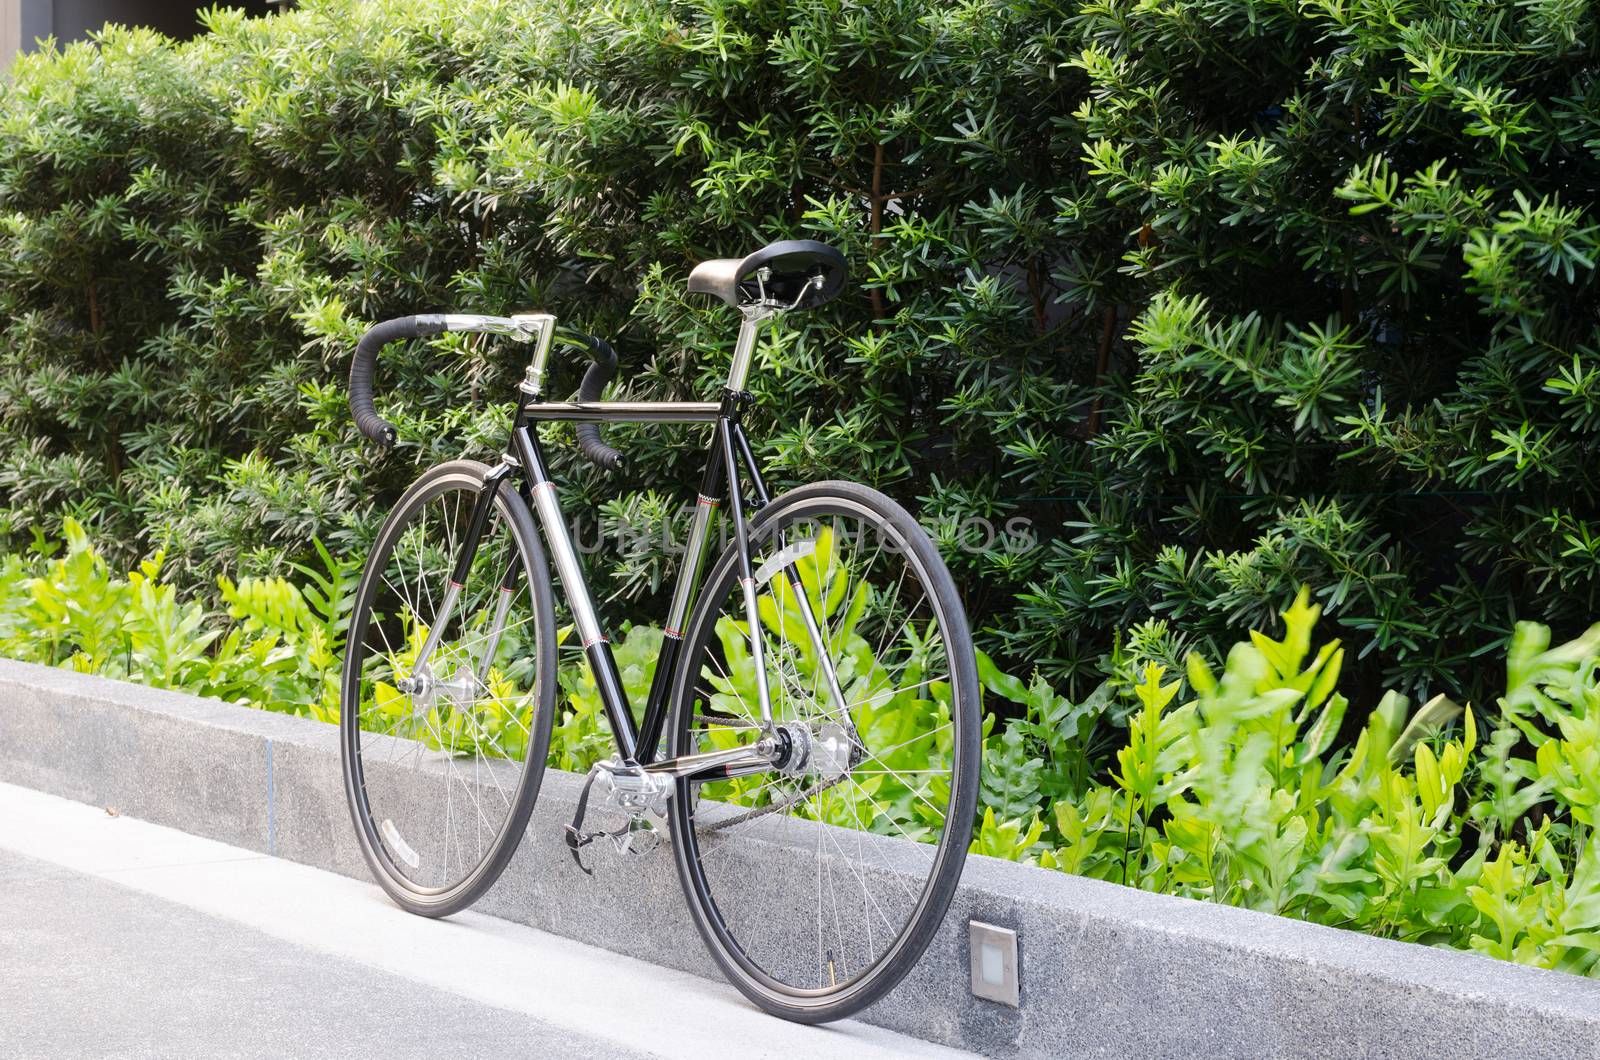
x=601 y=372
x=377 y=337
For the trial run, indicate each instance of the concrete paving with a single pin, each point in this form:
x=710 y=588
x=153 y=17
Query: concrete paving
x=120 y=938
x=93 y=969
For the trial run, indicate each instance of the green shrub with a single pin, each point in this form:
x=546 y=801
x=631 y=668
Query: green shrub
x=277 y=646
x=1358 y=242
x=1225 y=299
x=274 y=643
x=1418 y=830
x=195 y=236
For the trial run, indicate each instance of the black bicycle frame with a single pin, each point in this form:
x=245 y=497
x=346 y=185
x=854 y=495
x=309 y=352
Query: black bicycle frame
x=729 y=448
x=638 y=745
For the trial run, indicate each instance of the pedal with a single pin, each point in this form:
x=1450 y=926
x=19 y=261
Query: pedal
x=629 y=790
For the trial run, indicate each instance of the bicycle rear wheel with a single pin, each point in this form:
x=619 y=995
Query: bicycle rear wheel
x=443 y=757
x=818 y=885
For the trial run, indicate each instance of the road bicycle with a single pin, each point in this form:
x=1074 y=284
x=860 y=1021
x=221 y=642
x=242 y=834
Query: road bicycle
x=810 y=738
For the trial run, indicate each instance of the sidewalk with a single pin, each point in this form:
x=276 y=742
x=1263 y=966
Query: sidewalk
x=122 y=938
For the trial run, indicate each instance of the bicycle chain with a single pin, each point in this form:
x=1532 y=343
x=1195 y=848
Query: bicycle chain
x=724 y=719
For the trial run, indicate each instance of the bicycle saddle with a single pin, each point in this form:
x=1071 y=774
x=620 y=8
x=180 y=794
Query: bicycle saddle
x=792 y=265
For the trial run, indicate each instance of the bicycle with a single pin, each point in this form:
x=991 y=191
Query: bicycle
x=810 y=738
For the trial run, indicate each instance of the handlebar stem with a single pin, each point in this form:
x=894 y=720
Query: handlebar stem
x=538 y=328
x=479 y=322
x=542 y=325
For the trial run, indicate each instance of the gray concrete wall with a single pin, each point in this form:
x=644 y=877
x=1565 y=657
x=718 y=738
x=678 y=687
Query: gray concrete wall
x=21 y=23
x=1106 y=970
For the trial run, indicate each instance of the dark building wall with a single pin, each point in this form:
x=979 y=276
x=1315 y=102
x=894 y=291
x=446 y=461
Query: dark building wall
x=74 y=19
x=24 y=21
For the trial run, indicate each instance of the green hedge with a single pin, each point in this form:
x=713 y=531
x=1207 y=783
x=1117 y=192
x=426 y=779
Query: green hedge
x=1360 y=238
x=1225 y=297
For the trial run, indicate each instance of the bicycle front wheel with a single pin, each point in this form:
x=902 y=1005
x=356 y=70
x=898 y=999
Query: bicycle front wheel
x=818 y=885
x=448 y=693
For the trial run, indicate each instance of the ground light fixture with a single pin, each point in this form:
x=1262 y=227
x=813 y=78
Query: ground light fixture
x=994 y=963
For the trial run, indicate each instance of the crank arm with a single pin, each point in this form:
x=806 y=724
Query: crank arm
x=720 y=765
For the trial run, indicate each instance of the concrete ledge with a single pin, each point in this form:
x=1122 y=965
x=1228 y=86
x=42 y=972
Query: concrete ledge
x=1106 y=970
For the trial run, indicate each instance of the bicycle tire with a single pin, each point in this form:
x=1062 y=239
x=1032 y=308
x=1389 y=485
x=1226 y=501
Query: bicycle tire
x=417 y=739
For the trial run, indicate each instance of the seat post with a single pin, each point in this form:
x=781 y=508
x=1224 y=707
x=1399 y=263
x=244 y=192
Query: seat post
x=744 y=349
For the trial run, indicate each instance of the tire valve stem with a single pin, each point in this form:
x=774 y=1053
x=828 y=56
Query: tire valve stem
x=832 y=980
